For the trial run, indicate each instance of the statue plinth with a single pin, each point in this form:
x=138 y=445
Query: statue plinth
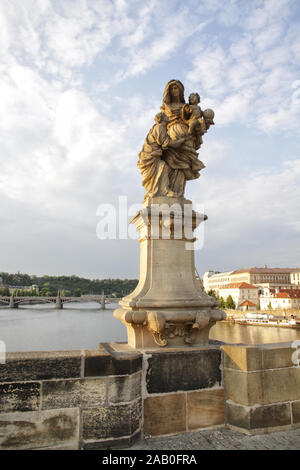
x=168 y=307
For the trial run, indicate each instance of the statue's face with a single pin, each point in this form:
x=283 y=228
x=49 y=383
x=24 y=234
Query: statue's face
x=174 y=90
x=193 y=99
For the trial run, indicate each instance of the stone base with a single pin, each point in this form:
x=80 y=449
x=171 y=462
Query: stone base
x=168 y=307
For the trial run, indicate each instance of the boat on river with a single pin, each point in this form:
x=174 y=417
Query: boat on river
x=265 y=319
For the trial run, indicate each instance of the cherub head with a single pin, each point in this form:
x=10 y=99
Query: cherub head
x=194 y=98
x=161 y=118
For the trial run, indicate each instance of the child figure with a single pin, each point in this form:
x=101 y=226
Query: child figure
x=196 y=122
x=153 y=168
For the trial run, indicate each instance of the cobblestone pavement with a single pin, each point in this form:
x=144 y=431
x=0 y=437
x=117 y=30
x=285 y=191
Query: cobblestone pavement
x=223 y=439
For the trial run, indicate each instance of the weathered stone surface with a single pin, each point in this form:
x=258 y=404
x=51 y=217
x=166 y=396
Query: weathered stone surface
x=244 y=388
x=108 y=444
x=281 y=385
x=165 y=414
x=100 y=362
x=125 y=388
x=41 y=365
x=112 y=421
x=20 y=396
x=242 y=357
x=277 y=355
x=70 y=393
x=296 y=412
x=33 y=429
x=270 y=416
x=205 y=408
x=185 y=370
x=237 y=415
x=69 y=446
x=258 y=417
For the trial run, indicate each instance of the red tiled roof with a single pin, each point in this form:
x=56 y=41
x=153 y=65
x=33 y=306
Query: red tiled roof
x=247 y=302
x=238 y=285
x=288 y=295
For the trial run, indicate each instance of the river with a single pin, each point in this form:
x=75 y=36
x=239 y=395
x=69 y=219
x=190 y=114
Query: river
x=85 y=325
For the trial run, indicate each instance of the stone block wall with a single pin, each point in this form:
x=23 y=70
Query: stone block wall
x=262 y=387
x=183 y=390
x=111 y=396
x=70 y=400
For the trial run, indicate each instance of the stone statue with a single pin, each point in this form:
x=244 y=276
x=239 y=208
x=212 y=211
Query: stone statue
x=169 y=157
x=168 y=309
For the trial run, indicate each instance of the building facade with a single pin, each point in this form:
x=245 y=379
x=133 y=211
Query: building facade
x=261 y=277
x=295 y=278
x=282 y=299
x=241 y=292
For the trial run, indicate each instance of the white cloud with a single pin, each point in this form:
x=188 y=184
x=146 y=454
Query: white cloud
x=250 y=77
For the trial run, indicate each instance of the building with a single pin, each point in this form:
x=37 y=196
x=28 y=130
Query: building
x=241 y=292
x=282 y=299
x=13 y=289
x=295 y=278
x=247 y=305
x=261 y=277
x=213 y=280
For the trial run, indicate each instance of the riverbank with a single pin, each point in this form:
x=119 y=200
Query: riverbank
x=277 y=313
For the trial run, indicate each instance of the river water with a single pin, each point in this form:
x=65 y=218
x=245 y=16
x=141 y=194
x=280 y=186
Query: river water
x=85 y=325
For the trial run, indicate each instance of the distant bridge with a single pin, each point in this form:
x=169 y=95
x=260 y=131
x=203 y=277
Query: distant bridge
x=15 y=301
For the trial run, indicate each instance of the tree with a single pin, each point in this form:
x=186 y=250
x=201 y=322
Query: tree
x=230 y=303
x=222 y=303
x=77 y=292
x=212 y=293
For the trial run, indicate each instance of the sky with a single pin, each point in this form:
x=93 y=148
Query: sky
x=80 y=83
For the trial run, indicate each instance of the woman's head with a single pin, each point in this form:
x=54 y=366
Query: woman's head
x=174 y=91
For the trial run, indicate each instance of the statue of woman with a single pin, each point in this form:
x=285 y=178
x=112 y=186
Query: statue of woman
x=183 y=162
x=169 y=157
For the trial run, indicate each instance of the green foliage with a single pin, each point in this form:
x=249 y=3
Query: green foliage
x=222 y=303
x=5 y=291
x=71 y=285
x=212 y=293
x=230 y=303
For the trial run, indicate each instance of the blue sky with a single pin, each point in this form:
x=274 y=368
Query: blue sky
x=80 y=83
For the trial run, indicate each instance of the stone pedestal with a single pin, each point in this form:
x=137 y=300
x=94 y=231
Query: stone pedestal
x=168 y=307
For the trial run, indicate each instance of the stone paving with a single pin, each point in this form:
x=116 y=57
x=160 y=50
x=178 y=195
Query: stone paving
x=223 y=439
